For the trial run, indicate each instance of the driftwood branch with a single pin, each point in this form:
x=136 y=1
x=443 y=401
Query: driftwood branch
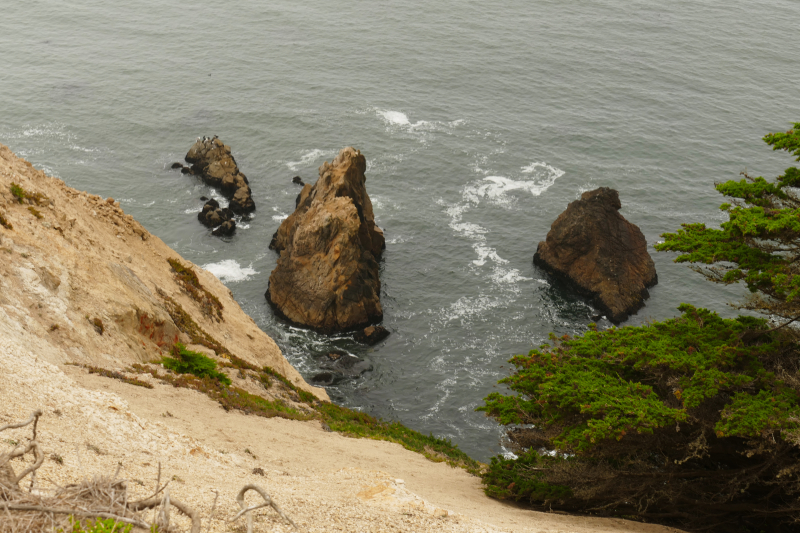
x=180 y=506
x=267 y=503
x=103 y=497
x=34 y=416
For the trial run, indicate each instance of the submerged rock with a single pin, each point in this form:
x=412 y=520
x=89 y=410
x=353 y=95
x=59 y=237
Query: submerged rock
x=176 y=165
x=298 y=180
x=371 y=335
x=341 y=366
x=212 y=160
x=327 y=274
x=600 y=253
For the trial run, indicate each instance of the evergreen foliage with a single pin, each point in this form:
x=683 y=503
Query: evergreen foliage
x=693 y=421
x=759 y=244
x=681 y=421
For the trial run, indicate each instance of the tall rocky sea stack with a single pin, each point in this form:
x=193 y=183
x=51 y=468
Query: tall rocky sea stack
x=600 y=253
x=211 y=159
x=327 y=274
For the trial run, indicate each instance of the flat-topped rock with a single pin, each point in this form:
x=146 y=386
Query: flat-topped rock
x=327 y=275
x=601 y=254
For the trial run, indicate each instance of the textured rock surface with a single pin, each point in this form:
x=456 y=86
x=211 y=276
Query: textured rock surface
x=213 y=215
x=371 y=335
x=212 y=160
x=603 y=255
x=327 y=275
x=226 y=229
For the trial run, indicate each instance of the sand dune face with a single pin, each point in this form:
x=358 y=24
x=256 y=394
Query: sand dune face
x=82 y=282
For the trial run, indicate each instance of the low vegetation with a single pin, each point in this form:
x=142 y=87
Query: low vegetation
x=184 y=361
x=188 y=280
x=361 y=425
x=5 y=222
x=108 y=525
x=187 y=325
x=23 y=196
x=118 y=375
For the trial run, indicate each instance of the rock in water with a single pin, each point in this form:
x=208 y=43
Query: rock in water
x=327 y=275
x=371 y=335
x=226 y=229
x=603 y=255
x=212 y=160
x=213 y=215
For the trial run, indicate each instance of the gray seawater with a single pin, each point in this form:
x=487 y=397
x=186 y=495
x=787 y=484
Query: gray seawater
x=480 y=122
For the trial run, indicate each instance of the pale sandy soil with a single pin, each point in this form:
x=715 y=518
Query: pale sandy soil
x=86 y=258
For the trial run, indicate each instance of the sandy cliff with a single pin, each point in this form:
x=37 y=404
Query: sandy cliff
x=82 y=282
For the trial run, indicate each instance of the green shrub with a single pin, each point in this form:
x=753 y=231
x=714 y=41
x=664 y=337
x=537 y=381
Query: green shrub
x=693 y=420
x=184 y=361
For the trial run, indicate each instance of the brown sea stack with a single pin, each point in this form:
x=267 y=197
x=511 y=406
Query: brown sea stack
x=211 y=159
x=327 y=274
x=600 y=253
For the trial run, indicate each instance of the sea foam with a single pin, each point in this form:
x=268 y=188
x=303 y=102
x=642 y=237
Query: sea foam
x=229 y=270
x=308 y=158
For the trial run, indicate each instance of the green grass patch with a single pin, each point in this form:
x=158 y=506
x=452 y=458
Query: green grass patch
x=361 y=425
x=32 y=197
x=35 y=212
x=18 y=192
x=184 y=361
x=108 y=525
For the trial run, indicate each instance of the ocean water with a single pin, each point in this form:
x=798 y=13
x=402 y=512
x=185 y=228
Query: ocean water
x=480 y=122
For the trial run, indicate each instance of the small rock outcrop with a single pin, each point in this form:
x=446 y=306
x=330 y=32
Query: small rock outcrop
x=327 y=274
x=211 y=159
x=226 y=229
x=371 y=335
x=213 y=215
x=600 y=253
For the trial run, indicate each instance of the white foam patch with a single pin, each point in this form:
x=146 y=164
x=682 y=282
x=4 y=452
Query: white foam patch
x=396 y=118
x=308 y=158
x=192 y=210
x=484 y=253
x=496 y=189
x=229 y=270
x=281 y=216
x=507 y=276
